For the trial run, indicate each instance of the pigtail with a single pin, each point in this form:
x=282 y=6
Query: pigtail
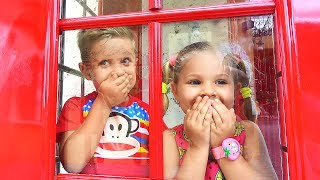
x=239 y=60
x=249 y=105
x=250 y=109
x=167 y=77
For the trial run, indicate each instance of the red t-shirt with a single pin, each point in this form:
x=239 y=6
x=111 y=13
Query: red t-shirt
x=123 y=149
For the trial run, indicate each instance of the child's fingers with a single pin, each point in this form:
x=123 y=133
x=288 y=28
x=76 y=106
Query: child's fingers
x=196 y=103
x=125 y=85
x=220 y=108
x=233 y=114
x=216 y=118
x=213 y=126
x=119 y=80
x=124 y=89
x=193 y=114
x=202 y=109
x=187 y=117
x=208 y=116
x=128 y=88
x=113 y=76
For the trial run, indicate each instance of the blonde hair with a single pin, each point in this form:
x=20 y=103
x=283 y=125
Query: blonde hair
x=87 y=37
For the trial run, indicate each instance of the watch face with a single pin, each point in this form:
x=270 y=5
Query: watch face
x=231 y=148
x=234 y=147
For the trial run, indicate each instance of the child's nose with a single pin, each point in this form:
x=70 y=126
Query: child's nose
x=208 y=90
x=119 y=71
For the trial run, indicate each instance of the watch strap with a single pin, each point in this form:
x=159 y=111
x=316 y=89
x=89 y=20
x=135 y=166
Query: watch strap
x=218 y=152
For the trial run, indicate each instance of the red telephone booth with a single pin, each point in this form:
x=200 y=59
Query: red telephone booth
x=280 y=37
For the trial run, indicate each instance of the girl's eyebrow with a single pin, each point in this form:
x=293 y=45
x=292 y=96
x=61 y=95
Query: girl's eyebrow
x=224 y=74
x=199 y=74
x=193 y=75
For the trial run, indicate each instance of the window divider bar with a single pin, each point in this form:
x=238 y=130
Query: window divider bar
x=155 y=4
x=70 y=70
x=170 y=15
x=87 y=8
x=155 y=94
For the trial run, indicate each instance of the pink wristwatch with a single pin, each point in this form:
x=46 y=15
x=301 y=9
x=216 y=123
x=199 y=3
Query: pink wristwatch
x=230 y=148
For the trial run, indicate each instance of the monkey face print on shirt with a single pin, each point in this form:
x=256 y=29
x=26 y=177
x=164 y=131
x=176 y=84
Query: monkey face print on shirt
x=125 y=134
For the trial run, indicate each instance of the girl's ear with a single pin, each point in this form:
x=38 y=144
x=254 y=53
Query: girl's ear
x=174 y=89
x=85 y=71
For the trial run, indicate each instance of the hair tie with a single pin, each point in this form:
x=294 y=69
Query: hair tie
x=165 y=88
x=245 y=92
x=172 y=60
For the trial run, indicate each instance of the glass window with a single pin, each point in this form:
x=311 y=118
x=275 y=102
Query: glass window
x=84 y=8
x=249 y=39
x=170 y=4
x=123 y=144
x=72 y=86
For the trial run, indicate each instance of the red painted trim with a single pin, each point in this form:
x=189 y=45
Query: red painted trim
x=155 y=4
x=279 y=61
x=283 y=141
x=287 y=62
x=155 y=98
x=172 y=15
x=50 y=85
x=92 y=177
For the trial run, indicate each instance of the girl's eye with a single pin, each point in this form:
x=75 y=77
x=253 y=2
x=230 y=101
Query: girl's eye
x=194 y=82
x=126 y=61
x=104 y=63
x=221 y=81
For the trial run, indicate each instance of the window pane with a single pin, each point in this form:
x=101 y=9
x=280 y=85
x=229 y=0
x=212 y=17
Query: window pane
x=70 y=54
x=71 y=86
x=249 y=40
x=83 y=8
x=79 y=8
x=115 y=61
x=170 y=4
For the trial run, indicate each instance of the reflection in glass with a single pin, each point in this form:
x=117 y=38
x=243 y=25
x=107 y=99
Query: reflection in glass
x=255 y=37
x=170 y=4
x=79 y=8
x=83 y=8
x=72 y=86
x=124 y=139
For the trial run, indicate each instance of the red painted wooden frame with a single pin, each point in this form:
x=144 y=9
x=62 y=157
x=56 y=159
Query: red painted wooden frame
x=172 y=15
x=281 y=40
x=28 y=131
x=153 y=19
x=155 y=4
x=155 y=93
x=297 y=45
